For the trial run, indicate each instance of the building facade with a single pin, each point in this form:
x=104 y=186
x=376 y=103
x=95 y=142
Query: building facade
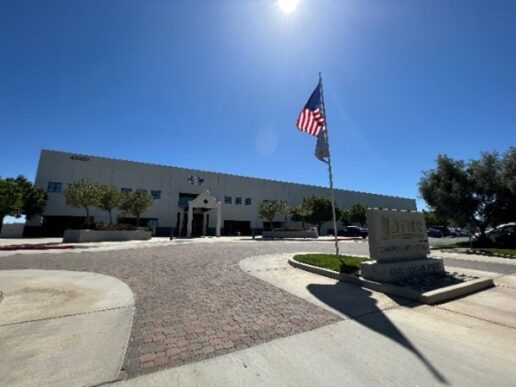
x=172 y=189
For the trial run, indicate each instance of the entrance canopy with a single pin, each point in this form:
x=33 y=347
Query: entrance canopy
x=203 y=202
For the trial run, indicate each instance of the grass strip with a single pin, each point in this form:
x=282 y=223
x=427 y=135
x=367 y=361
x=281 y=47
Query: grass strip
x=511 y=252
x=341 y=263
x=451 y=246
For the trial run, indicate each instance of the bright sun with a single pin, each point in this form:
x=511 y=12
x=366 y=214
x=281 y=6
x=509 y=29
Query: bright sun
x=288 y=6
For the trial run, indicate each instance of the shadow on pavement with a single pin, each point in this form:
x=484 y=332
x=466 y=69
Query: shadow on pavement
x=358 y=305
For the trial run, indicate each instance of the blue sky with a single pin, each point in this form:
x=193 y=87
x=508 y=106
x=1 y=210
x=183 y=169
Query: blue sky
x=218 y=85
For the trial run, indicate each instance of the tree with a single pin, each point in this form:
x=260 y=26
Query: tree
x=508 y=176
x=268 y=210
x=475 y=194
x=357 y=214
x=33 y=199
x=109 y=199
x=301 y=212
x=19 y=197
x=491 y=175
x=82 y=194
x=11 y=200
x=136 y=203
x=432 y=219
x=509 y=170
x=345 y=217
x=284 y=209
x=485 y=175
x=448 y=190
x=321 y=211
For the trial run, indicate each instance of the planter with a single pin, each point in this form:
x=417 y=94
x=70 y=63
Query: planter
x=14 y=230
x=79 y=236
x=290 y=234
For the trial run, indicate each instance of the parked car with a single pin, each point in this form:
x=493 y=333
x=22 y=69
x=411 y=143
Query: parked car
x=434 y=233
x=502 y=234
x=354 y=231
x=445 y=231
x=459 y=232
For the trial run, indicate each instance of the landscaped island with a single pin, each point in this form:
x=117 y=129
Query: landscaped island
x=341 y=263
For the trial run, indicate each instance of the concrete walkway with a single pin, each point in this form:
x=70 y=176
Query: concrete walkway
x=101 y=246
x=45 y=245
x=62 y=328
x=380 y=341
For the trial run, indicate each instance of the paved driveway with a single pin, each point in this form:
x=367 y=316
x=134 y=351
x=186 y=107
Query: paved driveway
x=193 y=301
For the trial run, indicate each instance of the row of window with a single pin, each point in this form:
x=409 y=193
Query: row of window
x=155 y=194
x=238 y=200
x=58 y=187
x=54 y=186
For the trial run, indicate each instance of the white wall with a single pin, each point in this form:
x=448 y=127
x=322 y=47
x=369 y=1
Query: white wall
x=61 y=167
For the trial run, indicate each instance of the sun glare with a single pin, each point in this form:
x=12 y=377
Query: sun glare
x=288 y=6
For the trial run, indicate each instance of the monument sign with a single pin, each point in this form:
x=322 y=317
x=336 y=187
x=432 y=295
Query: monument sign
x=398 y=243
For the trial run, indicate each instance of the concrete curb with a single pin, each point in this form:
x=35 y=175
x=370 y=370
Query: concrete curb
x=475 y=252
x=485 y=253
x=432 y=297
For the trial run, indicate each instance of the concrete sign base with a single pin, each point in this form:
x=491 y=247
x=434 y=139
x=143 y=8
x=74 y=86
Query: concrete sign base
x=399 y=270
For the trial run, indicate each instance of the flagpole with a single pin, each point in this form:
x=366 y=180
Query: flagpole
x=330 y=174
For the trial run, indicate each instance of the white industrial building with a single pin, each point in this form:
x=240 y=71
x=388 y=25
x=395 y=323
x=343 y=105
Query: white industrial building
x=234 y=198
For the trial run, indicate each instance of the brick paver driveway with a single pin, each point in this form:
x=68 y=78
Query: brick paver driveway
x=193 y=301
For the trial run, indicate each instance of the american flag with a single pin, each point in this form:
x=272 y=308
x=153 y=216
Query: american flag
x=195 y=180
x=311 y=119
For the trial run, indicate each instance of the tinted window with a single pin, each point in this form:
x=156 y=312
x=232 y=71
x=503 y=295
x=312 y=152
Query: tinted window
x=54 y=186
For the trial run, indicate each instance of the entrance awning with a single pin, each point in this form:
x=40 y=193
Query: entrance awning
x=205 y=201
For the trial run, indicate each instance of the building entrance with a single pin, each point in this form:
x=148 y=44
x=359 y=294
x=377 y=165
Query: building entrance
x=194 y=218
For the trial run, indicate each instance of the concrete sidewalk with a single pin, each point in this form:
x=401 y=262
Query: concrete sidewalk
x=96 y=246
x=62 y=328
x=380 y=341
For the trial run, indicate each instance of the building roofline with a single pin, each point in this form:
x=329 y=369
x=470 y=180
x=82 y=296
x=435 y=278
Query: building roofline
x=220 y=173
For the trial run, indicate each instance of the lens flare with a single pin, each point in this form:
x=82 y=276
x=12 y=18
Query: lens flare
x=288 y=6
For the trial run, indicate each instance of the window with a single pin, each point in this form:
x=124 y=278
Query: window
x=155 y=194
x=238 y=200
x=227 y=200
x=54 y=186
x=184 y=198
x=125 y=190
x=247 y=201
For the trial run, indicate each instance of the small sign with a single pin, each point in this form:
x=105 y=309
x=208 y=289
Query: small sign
x=79 y=158
x=396 y=235
x=195 y=180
